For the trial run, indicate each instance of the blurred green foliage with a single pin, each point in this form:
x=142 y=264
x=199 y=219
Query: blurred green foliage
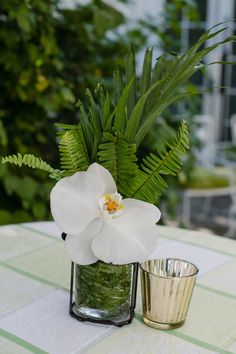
x=49 y=55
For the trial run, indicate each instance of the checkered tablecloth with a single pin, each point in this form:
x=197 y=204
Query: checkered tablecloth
x=34 y=298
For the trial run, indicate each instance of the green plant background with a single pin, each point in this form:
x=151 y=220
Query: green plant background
x=49 y=55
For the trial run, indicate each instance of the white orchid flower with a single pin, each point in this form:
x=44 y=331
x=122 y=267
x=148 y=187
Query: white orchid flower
x=99 y=224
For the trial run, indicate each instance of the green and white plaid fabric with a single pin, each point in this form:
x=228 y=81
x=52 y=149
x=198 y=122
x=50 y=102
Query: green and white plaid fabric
x=34 y=298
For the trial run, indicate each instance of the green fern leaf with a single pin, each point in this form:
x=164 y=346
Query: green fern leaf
x=33 y=162
x=119 y=157
x=73 y=151
x=149 y=182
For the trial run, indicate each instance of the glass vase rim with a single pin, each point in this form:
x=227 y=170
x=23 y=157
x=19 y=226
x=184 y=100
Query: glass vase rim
x=111 y=264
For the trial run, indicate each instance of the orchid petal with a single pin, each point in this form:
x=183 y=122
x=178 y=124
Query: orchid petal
x=79 y=246
x=150 y=209
x=104 y=177
x=129 y=238
x=74 y=201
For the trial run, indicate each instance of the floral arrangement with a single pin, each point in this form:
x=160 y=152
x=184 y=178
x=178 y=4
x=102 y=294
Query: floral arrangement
x=104 y=198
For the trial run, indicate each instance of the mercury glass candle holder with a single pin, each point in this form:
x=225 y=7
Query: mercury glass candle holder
x=167 y=286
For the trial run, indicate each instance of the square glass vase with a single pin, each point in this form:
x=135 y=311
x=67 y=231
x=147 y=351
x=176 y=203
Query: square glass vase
x=104 y=293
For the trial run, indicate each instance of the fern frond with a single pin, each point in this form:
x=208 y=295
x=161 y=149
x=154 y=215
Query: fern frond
x=149 y=183
x=73 y=151
x=33 y=162
x=119 y=157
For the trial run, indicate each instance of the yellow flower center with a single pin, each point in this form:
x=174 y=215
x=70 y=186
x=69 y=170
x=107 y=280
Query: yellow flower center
x=110 y=205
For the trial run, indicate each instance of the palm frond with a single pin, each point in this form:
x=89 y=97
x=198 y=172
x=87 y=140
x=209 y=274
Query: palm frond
x=117 y=119
x=94 y=118
x=73 y=151
x=130 y=74
x=33 y=162
x=86 y=128
x=161 y=93
x=121 y=111
x=146 y=72
x=161 y=66
x=184 y=68
x=118 y=84
x=119 y=157
x=149 y=182
x=102 y=105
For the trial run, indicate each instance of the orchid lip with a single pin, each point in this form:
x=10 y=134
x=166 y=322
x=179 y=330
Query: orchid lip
x=110 y=205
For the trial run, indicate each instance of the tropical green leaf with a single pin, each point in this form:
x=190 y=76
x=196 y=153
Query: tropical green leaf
x=118 y=84
x=149 y=182
x=147 y=100
x=134 y=121
x=86 y=127
x=161 y=94
x=162 y=65
x=73 y=151
x=94 y=118
x=33 y=162
x=122 y=107
x=130 y=73
x=106 y=108
x=99 y=91
x=146 y=72
x=119 y=157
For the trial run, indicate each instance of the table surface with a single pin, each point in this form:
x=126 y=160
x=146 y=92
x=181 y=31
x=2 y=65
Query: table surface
x=34 y=298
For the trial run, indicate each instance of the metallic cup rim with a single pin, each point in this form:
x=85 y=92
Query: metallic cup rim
x=170 y=277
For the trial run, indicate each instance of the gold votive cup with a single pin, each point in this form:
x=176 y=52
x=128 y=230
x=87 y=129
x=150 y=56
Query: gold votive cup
x=167 y=286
